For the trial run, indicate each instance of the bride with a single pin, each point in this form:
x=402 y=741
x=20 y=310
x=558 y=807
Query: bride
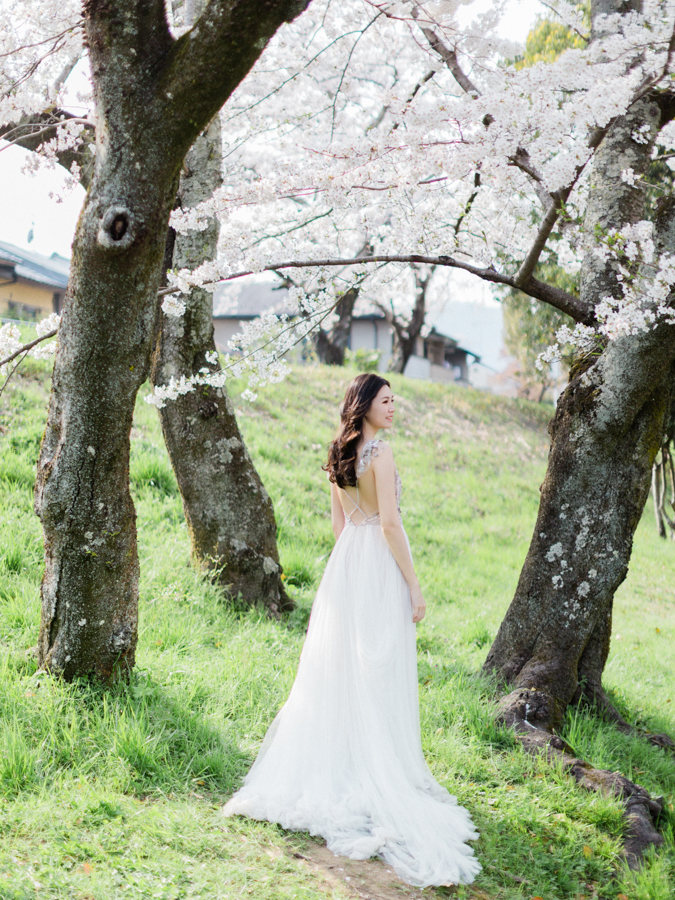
x=343 y=758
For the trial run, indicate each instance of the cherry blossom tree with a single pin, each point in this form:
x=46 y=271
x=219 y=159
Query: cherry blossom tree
x=423 y=139
x=230 y=516
x=395 y=124
x=154 y=92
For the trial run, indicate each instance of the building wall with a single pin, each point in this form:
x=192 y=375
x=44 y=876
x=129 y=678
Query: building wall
x=372 y=334
x=419 y=367
x=365 y=334
x=22 y=299
x=223 y=331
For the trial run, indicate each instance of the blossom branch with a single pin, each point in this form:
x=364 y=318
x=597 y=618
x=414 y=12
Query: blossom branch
x=521 y=158
x=37 y=130
x=554 y=296
x=529 y=264
x=25 y=348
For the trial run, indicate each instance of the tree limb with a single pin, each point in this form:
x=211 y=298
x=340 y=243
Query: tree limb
x=449 y=57
x=547 y=293
x=204 y=66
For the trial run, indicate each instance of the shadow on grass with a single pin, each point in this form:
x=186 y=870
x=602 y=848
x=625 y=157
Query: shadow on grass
x=145 y=738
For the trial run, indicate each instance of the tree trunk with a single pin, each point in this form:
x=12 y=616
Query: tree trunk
x=154 y=95
x=331 y=345
x=406 y=333
x=554 y=639
x=553 y=643
x=605 y=436
x=228 y=511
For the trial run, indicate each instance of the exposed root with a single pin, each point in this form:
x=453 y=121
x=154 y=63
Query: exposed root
x=530 y=713
x=596 y=698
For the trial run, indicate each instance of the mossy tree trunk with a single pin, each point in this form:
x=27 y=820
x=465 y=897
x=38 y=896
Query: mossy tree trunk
x=228 y=511
x=553 y=643
x=153 y=96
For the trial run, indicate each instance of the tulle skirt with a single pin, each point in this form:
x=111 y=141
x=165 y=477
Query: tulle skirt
x=343 y=758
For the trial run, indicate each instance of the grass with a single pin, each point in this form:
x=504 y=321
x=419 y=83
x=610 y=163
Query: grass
x=118 y=795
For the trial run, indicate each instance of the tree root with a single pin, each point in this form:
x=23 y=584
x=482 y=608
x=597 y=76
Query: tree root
x=529 y=713
x=596 y=698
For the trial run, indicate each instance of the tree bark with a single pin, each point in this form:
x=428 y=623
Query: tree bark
x=331 y=345
x=555 y=636
x=605 y=435
x=154 y=95
x=407 y=332
x=229 y=513
x=553 y=643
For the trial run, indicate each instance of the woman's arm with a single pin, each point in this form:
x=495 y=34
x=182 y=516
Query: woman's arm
x=385 y=488
x=337 y=515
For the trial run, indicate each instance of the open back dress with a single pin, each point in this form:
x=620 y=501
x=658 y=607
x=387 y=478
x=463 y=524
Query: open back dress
x=343 y=758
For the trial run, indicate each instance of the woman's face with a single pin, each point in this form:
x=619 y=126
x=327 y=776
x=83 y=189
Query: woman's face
x=381 y=412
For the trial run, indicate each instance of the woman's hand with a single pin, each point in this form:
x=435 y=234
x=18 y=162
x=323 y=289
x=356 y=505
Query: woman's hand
x=419 y=607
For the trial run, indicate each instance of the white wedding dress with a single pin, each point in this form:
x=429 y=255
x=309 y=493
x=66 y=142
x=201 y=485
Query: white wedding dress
x=343 y=758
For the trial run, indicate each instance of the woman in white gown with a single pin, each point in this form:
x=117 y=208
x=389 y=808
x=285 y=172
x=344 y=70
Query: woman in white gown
x=343 y=758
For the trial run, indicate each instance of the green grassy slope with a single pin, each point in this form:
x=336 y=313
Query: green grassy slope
x=118 y=795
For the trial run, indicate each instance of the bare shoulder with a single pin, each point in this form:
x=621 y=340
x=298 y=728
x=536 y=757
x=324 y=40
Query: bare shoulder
x=383 y=455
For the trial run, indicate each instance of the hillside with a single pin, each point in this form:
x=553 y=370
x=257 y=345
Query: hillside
x=104 y=797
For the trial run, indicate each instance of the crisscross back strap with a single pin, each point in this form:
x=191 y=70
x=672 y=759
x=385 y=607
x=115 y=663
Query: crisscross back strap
x=356 y=504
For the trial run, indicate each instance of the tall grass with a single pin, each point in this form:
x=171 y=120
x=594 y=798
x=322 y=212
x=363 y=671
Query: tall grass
x=105 y=795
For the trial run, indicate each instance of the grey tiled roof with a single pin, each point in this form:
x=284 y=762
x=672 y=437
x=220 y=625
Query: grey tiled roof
x=50 y=270
x=242 y=300
x=232 y=300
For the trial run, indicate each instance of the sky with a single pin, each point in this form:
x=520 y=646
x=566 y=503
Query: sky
x=40 y=203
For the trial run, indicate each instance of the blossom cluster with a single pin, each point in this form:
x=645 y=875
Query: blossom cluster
x=351 y=136
x=646 y=284
x=258 y=351
x=12 y=343
x=405 y=163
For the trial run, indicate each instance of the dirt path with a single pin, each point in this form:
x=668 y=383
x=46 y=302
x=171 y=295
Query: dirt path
x=368 y=879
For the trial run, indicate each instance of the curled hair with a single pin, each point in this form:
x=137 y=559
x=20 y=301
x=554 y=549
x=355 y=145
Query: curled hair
x=341 y=465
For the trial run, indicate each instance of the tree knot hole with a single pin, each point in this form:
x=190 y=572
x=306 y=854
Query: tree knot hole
x=118 y=228
x=208 y=409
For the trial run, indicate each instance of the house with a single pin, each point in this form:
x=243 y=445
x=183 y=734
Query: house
x=31 y=285
x=438 y=357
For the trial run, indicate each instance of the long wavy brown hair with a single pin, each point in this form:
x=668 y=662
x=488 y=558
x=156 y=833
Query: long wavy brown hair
x=341 y=465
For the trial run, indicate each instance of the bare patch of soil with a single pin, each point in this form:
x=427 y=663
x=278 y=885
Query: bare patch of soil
x=368 y=879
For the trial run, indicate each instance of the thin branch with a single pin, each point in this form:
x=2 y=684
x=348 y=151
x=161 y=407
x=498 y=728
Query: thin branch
x=14 y=368
x=469 y=203
x=529 y=264
x=584 y=37
x=430 y=74
x=52 y=37
x=344 y=72
x=449 y=57
x=521 y=160
x=290 y=78
x=27 y=347
x=269 y=237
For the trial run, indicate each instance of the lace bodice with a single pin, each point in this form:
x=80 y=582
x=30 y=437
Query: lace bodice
x=368 y=454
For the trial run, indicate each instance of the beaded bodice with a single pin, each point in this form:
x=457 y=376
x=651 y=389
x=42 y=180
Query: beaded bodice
x=368 y=454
